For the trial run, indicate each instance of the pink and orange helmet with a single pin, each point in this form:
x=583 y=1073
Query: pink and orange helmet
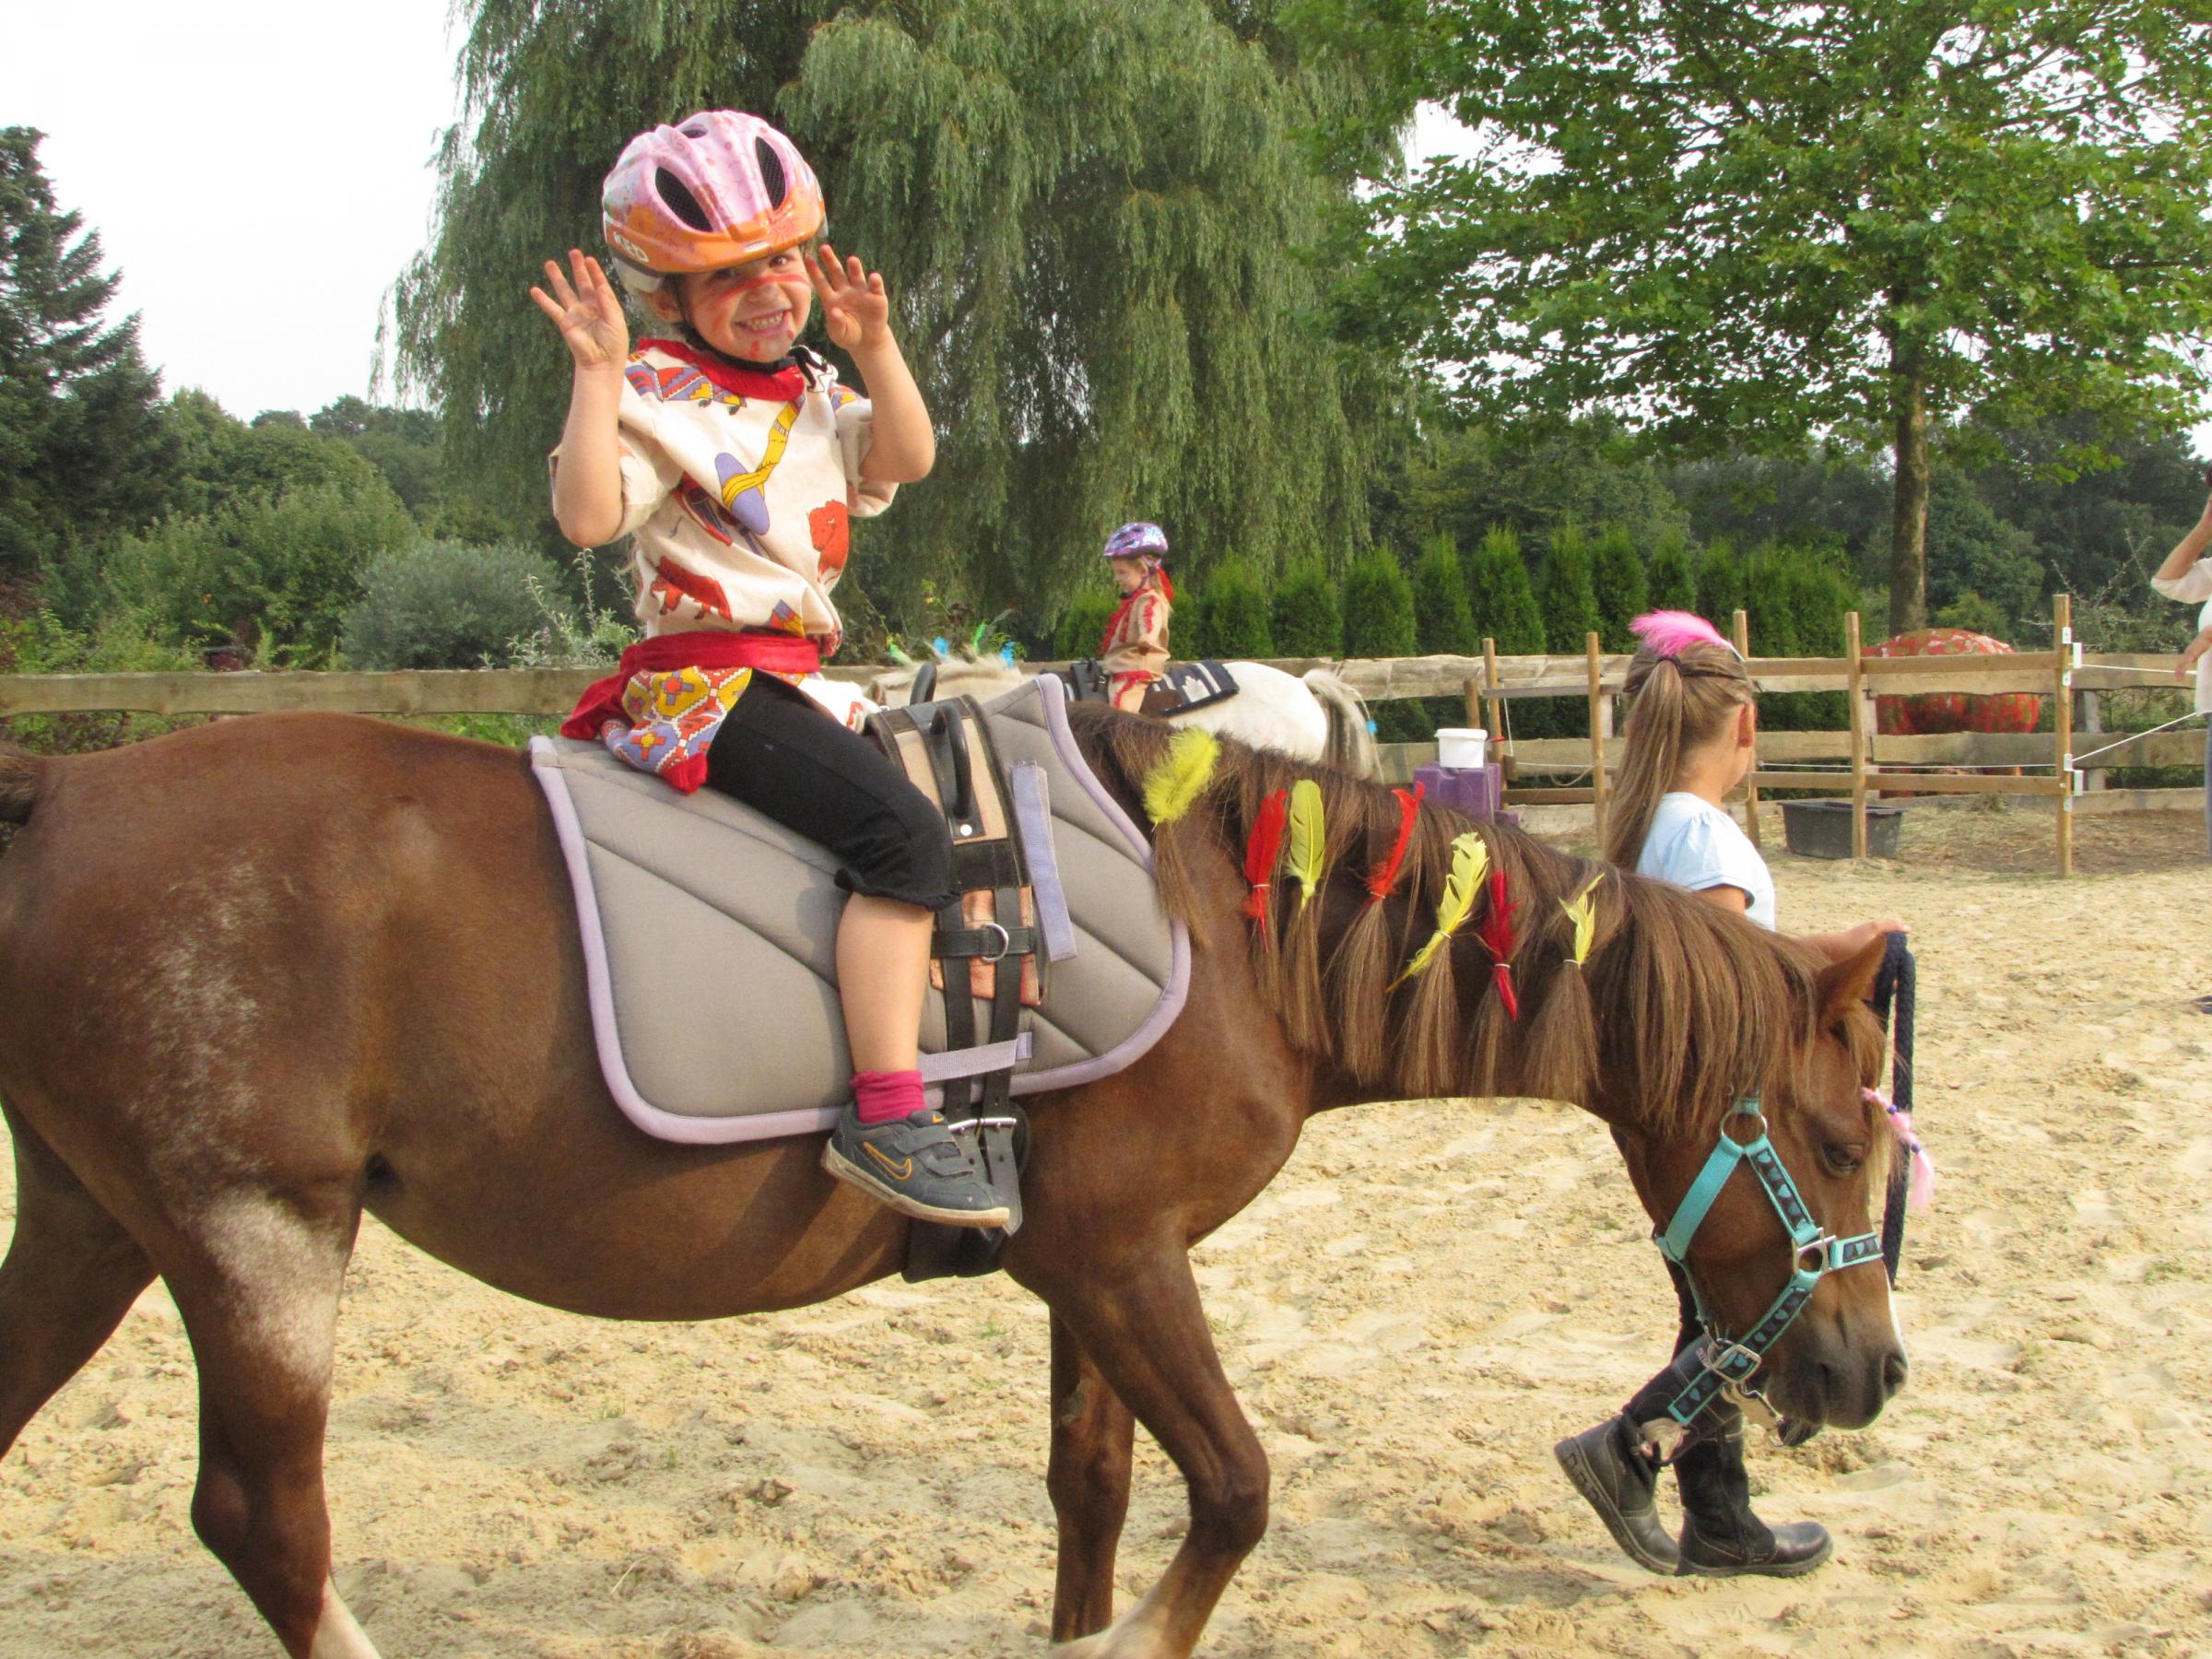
x=717 y=189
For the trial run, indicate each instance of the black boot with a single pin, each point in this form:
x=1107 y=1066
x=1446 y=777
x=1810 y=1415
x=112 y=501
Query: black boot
x=1721 y=1536
x=1608 y=1466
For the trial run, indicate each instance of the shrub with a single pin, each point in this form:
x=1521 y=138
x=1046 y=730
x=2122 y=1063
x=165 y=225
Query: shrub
x=1623 y=593
x=273 y=574
x=40 y=644
x=1672 y=583
x=1569 y=597
x=1720 y=584
x=1232 y=618
x=1082 y=625
x=1444 y=621
x=1501 y=597
x=1379 y=622
x=1308 y=619
x=445 y=604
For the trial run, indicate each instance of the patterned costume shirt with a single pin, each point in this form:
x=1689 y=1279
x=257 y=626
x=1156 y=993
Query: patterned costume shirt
x=739 y=486
x=1135 y=651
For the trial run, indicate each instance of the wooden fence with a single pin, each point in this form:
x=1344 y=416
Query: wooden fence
x=1487 y=685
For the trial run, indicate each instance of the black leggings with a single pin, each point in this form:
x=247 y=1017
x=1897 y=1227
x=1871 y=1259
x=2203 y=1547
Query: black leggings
x=784 y=756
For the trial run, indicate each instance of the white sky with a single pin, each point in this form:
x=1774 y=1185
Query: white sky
x=257 y=169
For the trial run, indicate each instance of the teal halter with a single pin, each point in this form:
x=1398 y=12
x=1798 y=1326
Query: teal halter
x=1727 y=1367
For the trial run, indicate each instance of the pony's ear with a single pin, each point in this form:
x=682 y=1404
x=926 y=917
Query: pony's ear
x=1846 y=983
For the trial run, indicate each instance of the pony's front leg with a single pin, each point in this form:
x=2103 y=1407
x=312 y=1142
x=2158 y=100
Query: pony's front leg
x=1137 y=1317
x=1088 y=1480
x=259 y=1296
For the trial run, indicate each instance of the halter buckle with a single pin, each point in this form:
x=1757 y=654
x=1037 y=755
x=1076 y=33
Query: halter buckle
x=1818 y=1256
x=1719 y=1362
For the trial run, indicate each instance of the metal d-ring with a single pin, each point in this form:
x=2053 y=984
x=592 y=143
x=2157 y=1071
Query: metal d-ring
x=1006 y=941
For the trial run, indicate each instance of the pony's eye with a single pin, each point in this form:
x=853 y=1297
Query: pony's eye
x=1841 y=1160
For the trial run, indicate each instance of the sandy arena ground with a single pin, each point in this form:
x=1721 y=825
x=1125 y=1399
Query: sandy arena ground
x=1427 y=1298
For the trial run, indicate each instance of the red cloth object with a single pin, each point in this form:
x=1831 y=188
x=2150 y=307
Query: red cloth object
x=1263 y=848
x=698 y=648
x=882 y=1096
x=787 y=384
x=1935 y=711
x=1384 y=875
x=1497 y=936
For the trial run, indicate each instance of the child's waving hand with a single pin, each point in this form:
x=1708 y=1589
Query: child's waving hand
x=855 y=310
x=589 y=316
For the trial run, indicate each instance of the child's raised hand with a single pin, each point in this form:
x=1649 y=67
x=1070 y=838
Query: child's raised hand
x=588 y=315
x=855 y=310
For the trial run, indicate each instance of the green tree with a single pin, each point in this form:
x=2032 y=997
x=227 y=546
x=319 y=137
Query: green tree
x=1746 y=227
x=1087 y=216
x=1233 y=614
x=400 y=443
x=83 y=450
x=1502 y=598
x=1981 y=569
x=1623 y=592
x=1307 y=619
x=1673 y=584
x=1531 y=478
x=1569 y=596
x=1443 y=620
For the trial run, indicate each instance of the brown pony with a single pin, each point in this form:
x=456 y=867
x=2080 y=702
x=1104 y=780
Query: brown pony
x=261 y=976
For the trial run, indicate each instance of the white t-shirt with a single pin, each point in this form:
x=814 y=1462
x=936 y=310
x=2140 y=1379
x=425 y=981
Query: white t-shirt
x=2195 y=582
x=1696 y=845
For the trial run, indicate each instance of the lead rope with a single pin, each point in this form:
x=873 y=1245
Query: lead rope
x=1892 y=1000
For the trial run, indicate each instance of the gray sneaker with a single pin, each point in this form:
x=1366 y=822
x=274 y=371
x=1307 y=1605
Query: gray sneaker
x=917 y=1166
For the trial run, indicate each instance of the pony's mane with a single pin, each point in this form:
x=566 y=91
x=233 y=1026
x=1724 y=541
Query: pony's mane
x=1679 y=1009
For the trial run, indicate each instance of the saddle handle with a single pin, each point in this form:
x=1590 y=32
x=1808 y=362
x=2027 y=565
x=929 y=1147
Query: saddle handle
x=946 y=725
x=924 y=688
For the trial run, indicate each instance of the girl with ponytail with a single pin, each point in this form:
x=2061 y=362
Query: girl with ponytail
x=1693 y=717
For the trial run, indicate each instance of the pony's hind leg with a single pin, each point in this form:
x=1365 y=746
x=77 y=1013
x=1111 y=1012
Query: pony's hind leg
x=260 y=1301
x=1088 y=1480
x=71 y=1274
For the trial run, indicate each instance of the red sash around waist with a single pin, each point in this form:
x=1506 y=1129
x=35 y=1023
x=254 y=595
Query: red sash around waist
x=698 y=648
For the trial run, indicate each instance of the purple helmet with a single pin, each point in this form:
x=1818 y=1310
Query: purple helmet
x=1139 y=540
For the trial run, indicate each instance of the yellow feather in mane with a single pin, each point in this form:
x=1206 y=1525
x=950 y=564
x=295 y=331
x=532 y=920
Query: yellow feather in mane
x=1175 y=784
x=1470 y=863
x=1581 y=910
x=1308 y=843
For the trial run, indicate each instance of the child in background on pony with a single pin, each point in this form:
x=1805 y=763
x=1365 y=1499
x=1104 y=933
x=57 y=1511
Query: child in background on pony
x=1135 y=651
x=733 y=459
x=1693 y=718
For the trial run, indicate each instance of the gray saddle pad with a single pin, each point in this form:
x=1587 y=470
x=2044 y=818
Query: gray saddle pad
x=709 y=932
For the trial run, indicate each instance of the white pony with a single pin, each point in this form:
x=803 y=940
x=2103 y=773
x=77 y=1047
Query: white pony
x=1314 y=716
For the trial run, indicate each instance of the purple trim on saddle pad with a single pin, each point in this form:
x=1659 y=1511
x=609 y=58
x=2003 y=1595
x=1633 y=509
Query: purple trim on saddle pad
x=974 y=1062
x=1052 y=693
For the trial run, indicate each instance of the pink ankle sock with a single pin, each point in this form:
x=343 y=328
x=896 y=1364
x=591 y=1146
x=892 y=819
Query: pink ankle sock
x=882 y=1096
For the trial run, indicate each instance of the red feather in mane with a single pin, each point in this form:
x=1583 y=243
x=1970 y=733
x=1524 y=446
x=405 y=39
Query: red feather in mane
x=1384 y=875
x=1497 y=936
x=1263 y=848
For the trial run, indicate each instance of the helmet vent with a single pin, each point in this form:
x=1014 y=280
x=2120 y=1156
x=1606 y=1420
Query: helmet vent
x=694 y=129
x=678 y=195
x=771 y=173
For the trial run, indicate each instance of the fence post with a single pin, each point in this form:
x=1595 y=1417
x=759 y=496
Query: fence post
x=1499 y=740
x=2092 y=722
x=1597 y=734
x=1742 y=630
x=2062 y=723
x=1856 y=672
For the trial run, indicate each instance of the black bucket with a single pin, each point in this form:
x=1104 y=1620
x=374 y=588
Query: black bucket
x=1822 y=828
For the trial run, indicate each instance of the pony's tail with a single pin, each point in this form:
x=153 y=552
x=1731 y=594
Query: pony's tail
x=22 y=777
x=1351 y=746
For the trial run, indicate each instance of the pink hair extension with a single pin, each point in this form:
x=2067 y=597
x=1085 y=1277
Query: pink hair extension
x=1666 y=632
x=1920 y=1194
